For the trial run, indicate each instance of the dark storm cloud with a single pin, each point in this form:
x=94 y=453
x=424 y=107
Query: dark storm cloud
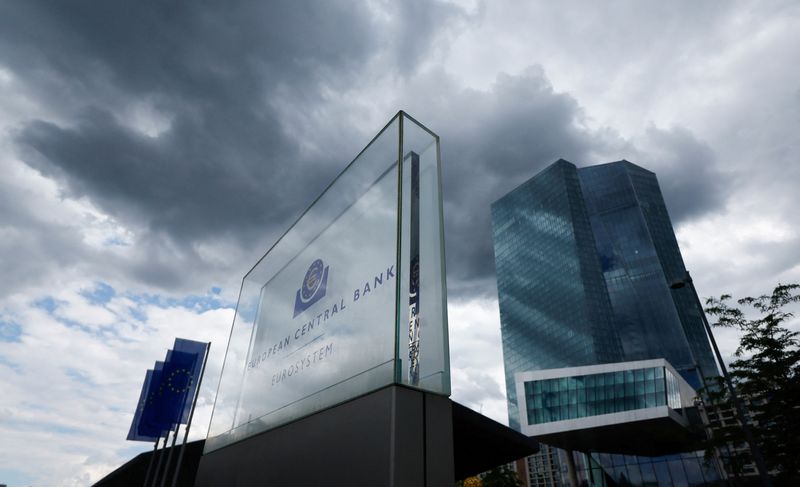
x=225 y=79
x=217 y=73
x=492 y=141
x=690 y=176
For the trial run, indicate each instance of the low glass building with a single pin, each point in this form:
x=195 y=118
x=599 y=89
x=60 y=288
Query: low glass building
x=635 y=407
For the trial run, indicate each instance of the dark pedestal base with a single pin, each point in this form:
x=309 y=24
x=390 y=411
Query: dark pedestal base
x=394 y=437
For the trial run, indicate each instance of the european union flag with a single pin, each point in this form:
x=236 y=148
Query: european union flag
x=137 y=432
x=177 y=380
x=168 y=392
x=146 y=424
x=191 y=375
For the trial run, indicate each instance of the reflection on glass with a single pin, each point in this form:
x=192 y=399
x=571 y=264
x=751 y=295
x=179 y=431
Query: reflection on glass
x=595 y=394
x=351 y=298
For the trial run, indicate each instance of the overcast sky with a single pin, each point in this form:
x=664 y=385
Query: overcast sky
x=151 y=151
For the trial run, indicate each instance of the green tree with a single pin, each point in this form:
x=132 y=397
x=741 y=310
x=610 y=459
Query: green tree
x=767 y=373
x=501 y=476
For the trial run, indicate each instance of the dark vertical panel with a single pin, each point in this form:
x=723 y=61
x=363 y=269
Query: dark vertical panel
x=408 y=439
x=438 y=441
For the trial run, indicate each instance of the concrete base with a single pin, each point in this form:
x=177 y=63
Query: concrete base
x=394 y=437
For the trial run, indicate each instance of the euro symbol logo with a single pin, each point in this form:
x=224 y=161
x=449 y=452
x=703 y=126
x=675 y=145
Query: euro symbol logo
x=315 y=284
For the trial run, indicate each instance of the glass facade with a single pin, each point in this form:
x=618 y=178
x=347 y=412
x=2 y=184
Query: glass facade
x=639 y=257
x=565 y=398
x=608 y=470
x=554 y=308
x=584 y=259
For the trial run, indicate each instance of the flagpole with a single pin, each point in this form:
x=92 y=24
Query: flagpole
x=160 y=460
x=169 y=455
x=150 y=463
x=191 y=414
x=156 y=452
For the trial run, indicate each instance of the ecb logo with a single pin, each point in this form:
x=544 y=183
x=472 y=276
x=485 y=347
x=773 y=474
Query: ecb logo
x=313 y=288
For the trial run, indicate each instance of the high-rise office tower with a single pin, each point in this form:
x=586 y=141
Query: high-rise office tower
x=584 y=261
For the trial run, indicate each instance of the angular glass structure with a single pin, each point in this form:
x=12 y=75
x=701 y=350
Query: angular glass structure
x=585 y=395
x=350 y=299
x=554 y=307
x=584 y=261
x=636 y=407
x=639 y=257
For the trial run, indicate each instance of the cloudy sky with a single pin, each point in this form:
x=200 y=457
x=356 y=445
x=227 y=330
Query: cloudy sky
x=151 y=151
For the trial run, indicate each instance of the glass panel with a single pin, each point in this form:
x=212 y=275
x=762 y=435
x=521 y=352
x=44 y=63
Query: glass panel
x=423 y=351
x=662 y=474
x=648 y=474
x=630 y=403
x=628 y=376
x=317 y=319
x=678 y=476
x=635 y=475
x=620 y=475
x=693 y=472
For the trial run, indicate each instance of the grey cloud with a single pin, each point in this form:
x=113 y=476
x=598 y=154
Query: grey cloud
x=521 y=126
x=226 y=163
x=227 y=166
x=493 y=141
x=691 y=178
x=478 y=388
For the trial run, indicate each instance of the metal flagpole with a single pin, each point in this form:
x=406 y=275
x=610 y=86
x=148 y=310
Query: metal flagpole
x=150 y=463
x=169 y=455
x=160 y=460
x=156 y=452
x=191 y=414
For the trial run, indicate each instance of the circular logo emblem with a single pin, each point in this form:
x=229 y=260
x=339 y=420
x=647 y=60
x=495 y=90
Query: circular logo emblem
x=312 y=280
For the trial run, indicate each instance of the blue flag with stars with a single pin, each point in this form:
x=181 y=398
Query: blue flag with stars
x=168 y=391
x=186 y=376
x=146 y=424
x=172 y=395
x=138 y=432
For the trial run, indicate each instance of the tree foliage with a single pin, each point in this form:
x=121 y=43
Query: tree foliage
x=501 y=476
x=767 y=373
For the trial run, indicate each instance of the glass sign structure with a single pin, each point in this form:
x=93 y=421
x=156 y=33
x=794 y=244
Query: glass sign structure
x=350 y=299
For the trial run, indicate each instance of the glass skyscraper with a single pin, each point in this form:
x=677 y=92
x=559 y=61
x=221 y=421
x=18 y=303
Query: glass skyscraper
x=639 y=258
x=584 y=261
